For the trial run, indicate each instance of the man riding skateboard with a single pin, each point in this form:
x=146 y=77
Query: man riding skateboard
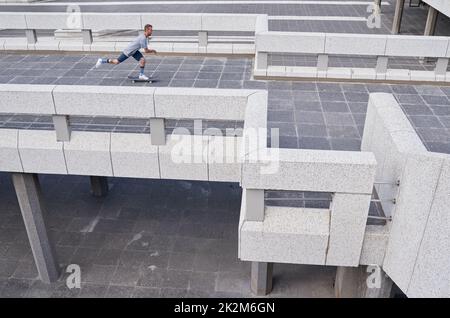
x=132 y=49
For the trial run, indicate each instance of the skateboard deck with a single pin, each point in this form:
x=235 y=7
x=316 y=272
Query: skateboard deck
x=135 y=79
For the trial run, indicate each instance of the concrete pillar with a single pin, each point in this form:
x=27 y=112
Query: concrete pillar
x=99 y=186
x=202 y=38
x=441 y=68
x=261 y=278
x=398 y=16
x=254 y=201
x=362 y=282
x=261 y=60
x=33 y=212
x=157 y=131
x=322 y=65
x=62 y=128
x=87 y=36
x=381 y=67
x=430 y=26
x=31 y=36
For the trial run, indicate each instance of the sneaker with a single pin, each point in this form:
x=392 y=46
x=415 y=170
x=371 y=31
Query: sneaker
x=143 y=77
x=99 y=62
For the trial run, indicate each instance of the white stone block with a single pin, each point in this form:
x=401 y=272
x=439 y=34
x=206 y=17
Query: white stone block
x=53 y=21
x=243 y=48
x=18 y=44
x=189 y=103
x=12 y=20
x=431 y=276
x=311 y=170
x=262 y=23
x=228 y=22
x=109 y=101
x=184 y=157
x=26 y=99
x=68 y=45
x=161 y=47
x=339 y=72
x=355 y=44
x=301 y=71
x=257 y=72
x=363 y=73
x=2 y=44
x=41 y=153
x=255 y=123
x=173 y=21
x=287 y=235
x=447 y=77
x=398 y=75
x=88 y=153
x=277 y=71
x=374 y=246
x=133 y=156
x=418 y=185
x=224 y=158
x=112 y=21
x=9 y=153
x=120 y=46
x=46 y=44
x=348 y=224
x=291 y=42
x=102 y=46
x=183 y=47
x=416 y=45
x=219 y=48
x=425 y=76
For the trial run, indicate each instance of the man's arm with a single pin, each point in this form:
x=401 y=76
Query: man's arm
x=148 y=51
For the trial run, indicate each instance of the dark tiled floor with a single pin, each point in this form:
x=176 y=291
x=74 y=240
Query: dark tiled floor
x=152 y=238
x=312 y=115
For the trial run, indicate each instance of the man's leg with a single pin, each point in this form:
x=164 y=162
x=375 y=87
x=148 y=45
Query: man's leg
x=116 y=61
x=141 y=59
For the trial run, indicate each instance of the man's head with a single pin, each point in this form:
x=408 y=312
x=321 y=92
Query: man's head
x=148 y=30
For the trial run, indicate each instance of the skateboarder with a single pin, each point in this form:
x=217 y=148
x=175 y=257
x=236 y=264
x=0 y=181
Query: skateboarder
x=133 y=50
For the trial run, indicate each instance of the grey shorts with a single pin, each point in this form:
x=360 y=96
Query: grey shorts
x=136 y=55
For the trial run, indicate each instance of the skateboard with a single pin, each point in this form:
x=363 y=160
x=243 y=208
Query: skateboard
x=135 y=79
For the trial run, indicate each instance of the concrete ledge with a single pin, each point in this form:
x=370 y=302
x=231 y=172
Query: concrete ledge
x=40 y=152
x=52 y=21
x=374 y=246
x=312 y=170
x=224 y=158
x=9 y=154
x=228 y=22
x=13 y=20
x=111 y=21
x=184 y=157
x=173 y=21
x=287 y=235
x=357 y=44
x=110 y=101
x=290 y=42
x=188 y=103
x=133 y=156
x=411 y=45
x=88 y=153
x=26 y=99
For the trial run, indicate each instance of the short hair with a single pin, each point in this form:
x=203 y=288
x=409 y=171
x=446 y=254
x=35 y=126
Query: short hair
x=147 y=26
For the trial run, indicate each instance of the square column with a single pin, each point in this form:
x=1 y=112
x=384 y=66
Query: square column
x=99 y=186
x=29 y=195
x=398 y=16
x=430 y=26
x=261 y=278
x=362 y=282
